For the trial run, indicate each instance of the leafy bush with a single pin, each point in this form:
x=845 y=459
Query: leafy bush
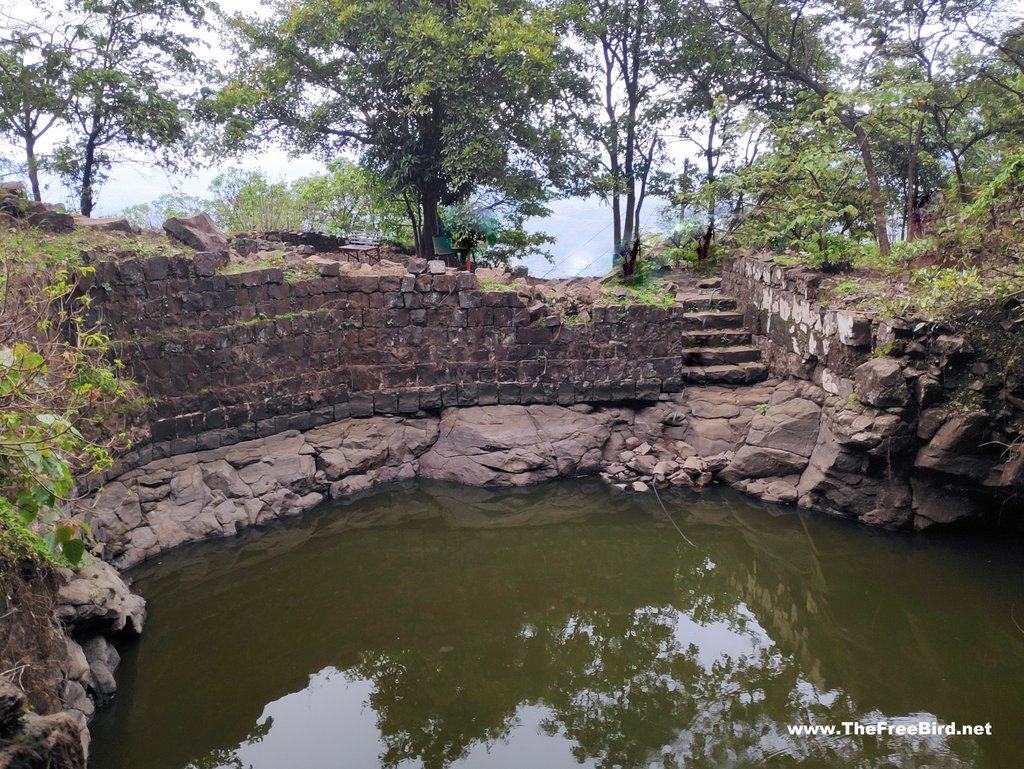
x=808 y=195
x=58 y=384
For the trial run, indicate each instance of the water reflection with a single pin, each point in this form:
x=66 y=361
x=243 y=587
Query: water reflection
x=416 y=628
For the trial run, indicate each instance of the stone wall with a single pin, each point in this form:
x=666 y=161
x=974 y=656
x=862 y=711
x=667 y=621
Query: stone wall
x=799 y=335
x=232 y=357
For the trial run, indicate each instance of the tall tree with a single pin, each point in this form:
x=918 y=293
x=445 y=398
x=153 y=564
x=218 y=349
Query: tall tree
x=718 y=85
x=33 y=87
x=628 y=40
x=790 y=37
x=127 y=67
x=440 y=97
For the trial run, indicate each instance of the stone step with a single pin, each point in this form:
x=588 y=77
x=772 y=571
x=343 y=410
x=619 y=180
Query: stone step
x=722 y=337
x=710 y=300
x=715 y=356
x=712 y=319
x=740 y=373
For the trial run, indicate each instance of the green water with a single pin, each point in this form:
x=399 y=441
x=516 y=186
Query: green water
x=559 y=626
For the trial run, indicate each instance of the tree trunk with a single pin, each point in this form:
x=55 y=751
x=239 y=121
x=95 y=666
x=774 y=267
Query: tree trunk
x=913 y=221
x=704 y=248
x=88 y=173
x=425 y=248
x=616 y=228
x=628 y=233
x=33 y=167
x=961 y=183
x=412 y=212
x=874 y=189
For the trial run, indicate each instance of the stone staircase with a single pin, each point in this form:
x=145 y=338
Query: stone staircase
x=717 y=347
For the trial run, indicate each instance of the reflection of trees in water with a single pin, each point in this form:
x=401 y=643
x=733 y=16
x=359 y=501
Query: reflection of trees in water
x=611 y=637
x=431 y=708
x=227 y=759
x=620 y=689
x=629 y=690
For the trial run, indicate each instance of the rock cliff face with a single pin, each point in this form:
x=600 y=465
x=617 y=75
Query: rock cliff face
x=29 y=741
x=916 y=426
x=781 y=440
x=72 y=657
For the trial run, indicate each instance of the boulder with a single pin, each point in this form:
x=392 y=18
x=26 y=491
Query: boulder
x=929 y=390
x=880 y=382
x=759 y=462
x=853 y=330
x=96 y=597
x=50 y=220
x=935 y=502
x=515 y=445
x=198 y=233
x=13 y=200
x=103 y=661
x=959 y=448
x=17 y=189
x=772 y=490
x=713 y=436
x=952 y=346
x=116 y=510
x=106 y=224
x=789 y=426
x=207 y=263
x=357 y=446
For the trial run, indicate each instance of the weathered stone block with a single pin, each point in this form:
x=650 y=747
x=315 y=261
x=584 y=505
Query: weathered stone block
x=508 y=392
x=361 y=404
x=487 y=394
x=408 y=402
x=880 y=382
x=385 y=403
x=430 y=399
x=853 y=330
x=468 y=394
x=648 y=389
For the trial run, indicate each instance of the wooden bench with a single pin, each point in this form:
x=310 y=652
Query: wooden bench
x=359 y=243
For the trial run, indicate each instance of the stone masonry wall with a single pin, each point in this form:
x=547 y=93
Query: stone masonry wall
x=227 y=358
x=799 y=335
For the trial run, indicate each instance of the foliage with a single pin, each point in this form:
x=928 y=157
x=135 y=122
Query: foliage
x=994 y=220
x=649 y=293
x=808 y=194
x=247 y=201
x=152 y=215
x=126 y=59
x=620 y=123
x=57 y=381
x=492 y=229
x=440 y=99
x=34 y=68
x=351 y=198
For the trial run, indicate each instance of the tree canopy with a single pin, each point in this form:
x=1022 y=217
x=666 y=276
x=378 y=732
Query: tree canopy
x=440 y=98
x=865 y=116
